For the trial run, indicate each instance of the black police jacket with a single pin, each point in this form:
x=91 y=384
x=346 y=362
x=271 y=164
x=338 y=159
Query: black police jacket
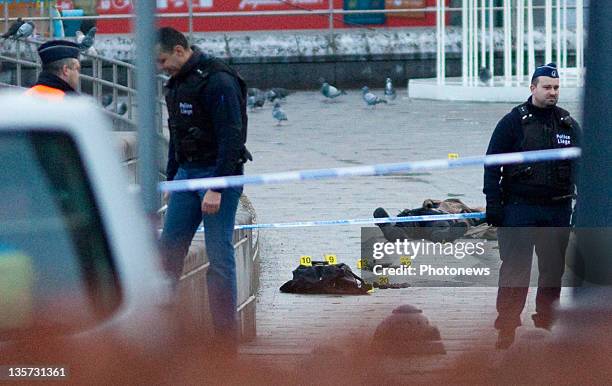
x=527 y=128
x=207 y=120
x=51 y=80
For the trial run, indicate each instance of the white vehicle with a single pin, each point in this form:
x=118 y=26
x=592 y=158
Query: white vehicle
x=77 y=256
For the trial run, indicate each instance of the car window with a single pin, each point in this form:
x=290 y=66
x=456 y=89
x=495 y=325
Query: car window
x=52 y=244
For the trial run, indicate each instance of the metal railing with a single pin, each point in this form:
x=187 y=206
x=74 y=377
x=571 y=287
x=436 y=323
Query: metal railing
x=109 y=78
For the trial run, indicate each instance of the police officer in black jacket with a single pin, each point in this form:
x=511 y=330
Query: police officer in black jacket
x=206 y=102
x=531 y=203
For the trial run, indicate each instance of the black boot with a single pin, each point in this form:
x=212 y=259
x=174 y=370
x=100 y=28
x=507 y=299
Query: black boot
x=540 y=321
x=505 y=338
x=381 y=213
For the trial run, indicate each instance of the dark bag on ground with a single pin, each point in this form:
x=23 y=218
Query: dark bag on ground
x=322 y=278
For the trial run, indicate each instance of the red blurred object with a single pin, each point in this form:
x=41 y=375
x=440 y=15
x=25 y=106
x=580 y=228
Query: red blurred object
x=250 y=23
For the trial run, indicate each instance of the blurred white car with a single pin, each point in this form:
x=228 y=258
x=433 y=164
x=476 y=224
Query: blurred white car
x=77 y=256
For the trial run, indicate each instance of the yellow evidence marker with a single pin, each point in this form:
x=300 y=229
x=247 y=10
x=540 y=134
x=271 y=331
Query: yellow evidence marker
x=453 y=155
x=306 y=261
x=331 y=259
x=406 y=260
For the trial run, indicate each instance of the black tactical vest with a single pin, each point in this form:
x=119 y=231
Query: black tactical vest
x=556 y=175
x=189 y=124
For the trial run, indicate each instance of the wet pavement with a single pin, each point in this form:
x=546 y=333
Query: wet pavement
x=345 y=132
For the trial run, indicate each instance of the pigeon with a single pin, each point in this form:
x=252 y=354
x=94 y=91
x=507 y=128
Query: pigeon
x=122 y=108
x=276 y=93
x=13 y=28
x=371 y=99
x=252 y=91
x=25 y=30
x=260 y=99
x=484 y=74
x=271 y=95
x=107 y=100
x=87 y=41
x=251 y=102
x=389 y=90
x=278 y=113
x=330 y=91
x=281 y=92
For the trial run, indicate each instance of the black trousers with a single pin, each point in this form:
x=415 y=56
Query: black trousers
x=544 y=228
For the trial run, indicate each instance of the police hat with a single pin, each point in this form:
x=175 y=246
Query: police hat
x=549 y=70
x=55 y=50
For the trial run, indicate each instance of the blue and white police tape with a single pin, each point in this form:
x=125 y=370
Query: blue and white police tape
x=363 y=221
x=371 y=170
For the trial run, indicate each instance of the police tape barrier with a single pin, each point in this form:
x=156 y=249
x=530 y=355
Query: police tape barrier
x=363 y=221
x=371 y=170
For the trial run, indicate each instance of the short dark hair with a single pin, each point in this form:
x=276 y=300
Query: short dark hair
x=168 y=38
x=57 y=66
x=534 y=81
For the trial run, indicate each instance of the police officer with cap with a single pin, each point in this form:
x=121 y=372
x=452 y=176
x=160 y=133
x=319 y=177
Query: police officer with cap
x=531 y=203
x=61 y=70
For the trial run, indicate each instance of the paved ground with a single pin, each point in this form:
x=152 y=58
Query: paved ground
x=346 y=133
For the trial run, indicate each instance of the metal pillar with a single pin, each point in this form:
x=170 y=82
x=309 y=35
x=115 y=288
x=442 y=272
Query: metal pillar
x=491 y=42
x=146 y=84
x=530 y=42
x=190 y=6
x=594 y=207
x=464 y=42
x=548 y=31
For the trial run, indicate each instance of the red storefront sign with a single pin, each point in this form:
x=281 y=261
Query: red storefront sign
x=246 y=23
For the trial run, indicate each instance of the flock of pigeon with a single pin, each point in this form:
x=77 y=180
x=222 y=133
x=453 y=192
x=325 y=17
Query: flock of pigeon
x=21 y=29
x=368 y=97
x=257 y=98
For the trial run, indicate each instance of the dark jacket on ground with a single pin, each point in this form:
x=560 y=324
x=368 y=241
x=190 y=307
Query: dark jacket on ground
x=507 y=138
x=214 y=103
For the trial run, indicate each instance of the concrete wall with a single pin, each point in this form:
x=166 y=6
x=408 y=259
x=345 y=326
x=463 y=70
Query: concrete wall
x=192 y=288
x=346 y=71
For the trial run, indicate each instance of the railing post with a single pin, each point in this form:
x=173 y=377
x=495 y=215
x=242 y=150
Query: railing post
x=18 y=46
x=331 y=20
x=50 y=20
x=94 y=75
x=115 y=94
x=100 y=76
x=160 y=110
x=37 y=68
x=130 y=85
x=6 y=15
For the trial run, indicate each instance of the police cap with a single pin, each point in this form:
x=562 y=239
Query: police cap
x=549 y=70
x=55 y=50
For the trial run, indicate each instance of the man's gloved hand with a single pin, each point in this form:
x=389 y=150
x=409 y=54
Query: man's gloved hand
x=495 y=213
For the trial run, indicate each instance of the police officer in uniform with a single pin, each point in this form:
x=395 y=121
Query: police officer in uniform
x=61 y=70
x=206 y=102
x=531 y=203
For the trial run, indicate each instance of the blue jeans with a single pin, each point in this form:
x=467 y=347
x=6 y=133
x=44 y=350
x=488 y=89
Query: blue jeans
x=183 y=217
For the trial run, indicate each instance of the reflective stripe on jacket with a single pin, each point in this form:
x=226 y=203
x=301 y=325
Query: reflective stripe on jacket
x=46 y=92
